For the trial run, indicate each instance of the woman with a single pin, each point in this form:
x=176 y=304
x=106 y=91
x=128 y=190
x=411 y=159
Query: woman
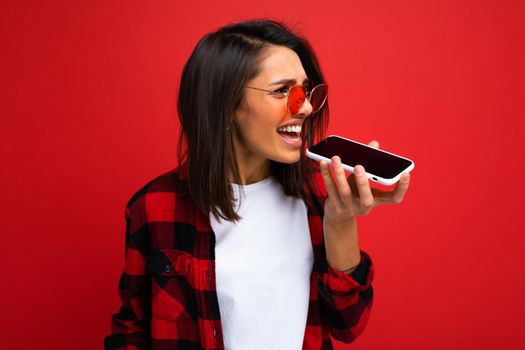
x=245 y=245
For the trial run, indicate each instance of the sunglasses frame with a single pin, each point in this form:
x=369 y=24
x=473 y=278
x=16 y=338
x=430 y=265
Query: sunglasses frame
x=307 y=95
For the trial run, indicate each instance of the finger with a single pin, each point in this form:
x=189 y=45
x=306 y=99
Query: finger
x=328 y=181
x=394 y=196
x=366 y=199
x=401 y=188
x=374 y=144
x=343 y=188
x=351 y=180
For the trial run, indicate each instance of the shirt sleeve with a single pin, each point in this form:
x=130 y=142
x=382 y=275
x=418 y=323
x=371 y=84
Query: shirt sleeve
x=130 y=326
x=346 y=299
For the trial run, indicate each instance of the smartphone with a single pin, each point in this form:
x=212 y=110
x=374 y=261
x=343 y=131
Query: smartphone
x=380 y=166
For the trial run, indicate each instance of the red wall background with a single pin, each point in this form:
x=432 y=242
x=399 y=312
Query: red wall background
x=88 y=115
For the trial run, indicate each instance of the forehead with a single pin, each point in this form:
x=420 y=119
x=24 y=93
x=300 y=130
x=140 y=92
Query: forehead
x=279 y=62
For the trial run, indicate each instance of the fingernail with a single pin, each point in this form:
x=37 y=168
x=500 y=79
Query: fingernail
x=407 y=177
x=336 y=161
x=359 y=171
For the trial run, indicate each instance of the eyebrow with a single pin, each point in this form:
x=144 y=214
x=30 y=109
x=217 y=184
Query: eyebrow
x=289 y=81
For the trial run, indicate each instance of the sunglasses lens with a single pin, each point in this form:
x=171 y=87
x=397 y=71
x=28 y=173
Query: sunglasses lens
x=318 y=97
x=296 y=98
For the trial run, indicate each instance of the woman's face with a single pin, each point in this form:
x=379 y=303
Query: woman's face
x=259 y=121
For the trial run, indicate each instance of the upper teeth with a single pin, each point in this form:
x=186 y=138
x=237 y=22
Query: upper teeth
x=290 y=128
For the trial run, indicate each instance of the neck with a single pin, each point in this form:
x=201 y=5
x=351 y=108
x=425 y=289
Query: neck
x=250 y=170
x=252 y=166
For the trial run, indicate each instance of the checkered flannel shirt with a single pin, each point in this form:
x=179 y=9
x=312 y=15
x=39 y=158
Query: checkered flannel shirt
x=168 y=292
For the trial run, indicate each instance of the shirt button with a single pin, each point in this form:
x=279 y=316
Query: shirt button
x=167 y=268
x=214 y=332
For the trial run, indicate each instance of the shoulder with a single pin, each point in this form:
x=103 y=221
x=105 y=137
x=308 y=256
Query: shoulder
x=164 y=187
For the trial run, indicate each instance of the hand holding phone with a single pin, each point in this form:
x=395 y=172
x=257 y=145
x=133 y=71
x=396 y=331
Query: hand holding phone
x=380 y=166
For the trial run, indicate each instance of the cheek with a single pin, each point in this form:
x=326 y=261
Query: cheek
x=264 y=119
x=283 y=110
x=275 y=117
x=270 y=118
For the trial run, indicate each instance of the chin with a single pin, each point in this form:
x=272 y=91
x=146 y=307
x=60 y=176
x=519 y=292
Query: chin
x=289 y=159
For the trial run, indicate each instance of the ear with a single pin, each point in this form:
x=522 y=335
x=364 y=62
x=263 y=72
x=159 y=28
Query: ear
x=241 y=113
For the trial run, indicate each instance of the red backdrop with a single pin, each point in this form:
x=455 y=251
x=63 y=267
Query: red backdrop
x=88 y=116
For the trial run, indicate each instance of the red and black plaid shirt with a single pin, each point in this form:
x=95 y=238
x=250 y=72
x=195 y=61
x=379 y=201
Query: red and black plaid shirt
x=168 y=290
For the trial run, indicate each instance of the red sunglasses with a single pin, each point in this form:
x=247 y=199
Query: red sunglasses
x=298 y=94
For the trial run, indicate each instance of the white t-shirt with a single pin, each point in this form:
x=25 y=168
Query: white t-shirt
x=263 y=267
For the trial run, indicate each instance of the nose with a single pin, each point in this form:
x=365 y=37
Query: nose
x=305 y=110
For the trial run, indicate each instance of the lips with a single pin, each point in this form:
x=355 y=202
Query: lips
x=291 y=134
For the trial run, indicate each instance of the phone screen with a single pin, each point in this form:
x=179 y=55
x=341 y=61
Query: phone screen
x=375 y=161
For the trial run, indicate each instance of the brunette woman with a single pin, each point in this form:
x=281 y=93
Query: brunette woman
x=248 y=244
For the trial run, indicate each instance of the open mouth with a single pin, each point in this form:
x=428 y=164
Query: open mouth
x=291 y=133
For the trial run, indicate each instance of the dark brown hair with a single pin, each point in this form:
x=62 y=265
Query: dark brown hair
x=211 y=90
